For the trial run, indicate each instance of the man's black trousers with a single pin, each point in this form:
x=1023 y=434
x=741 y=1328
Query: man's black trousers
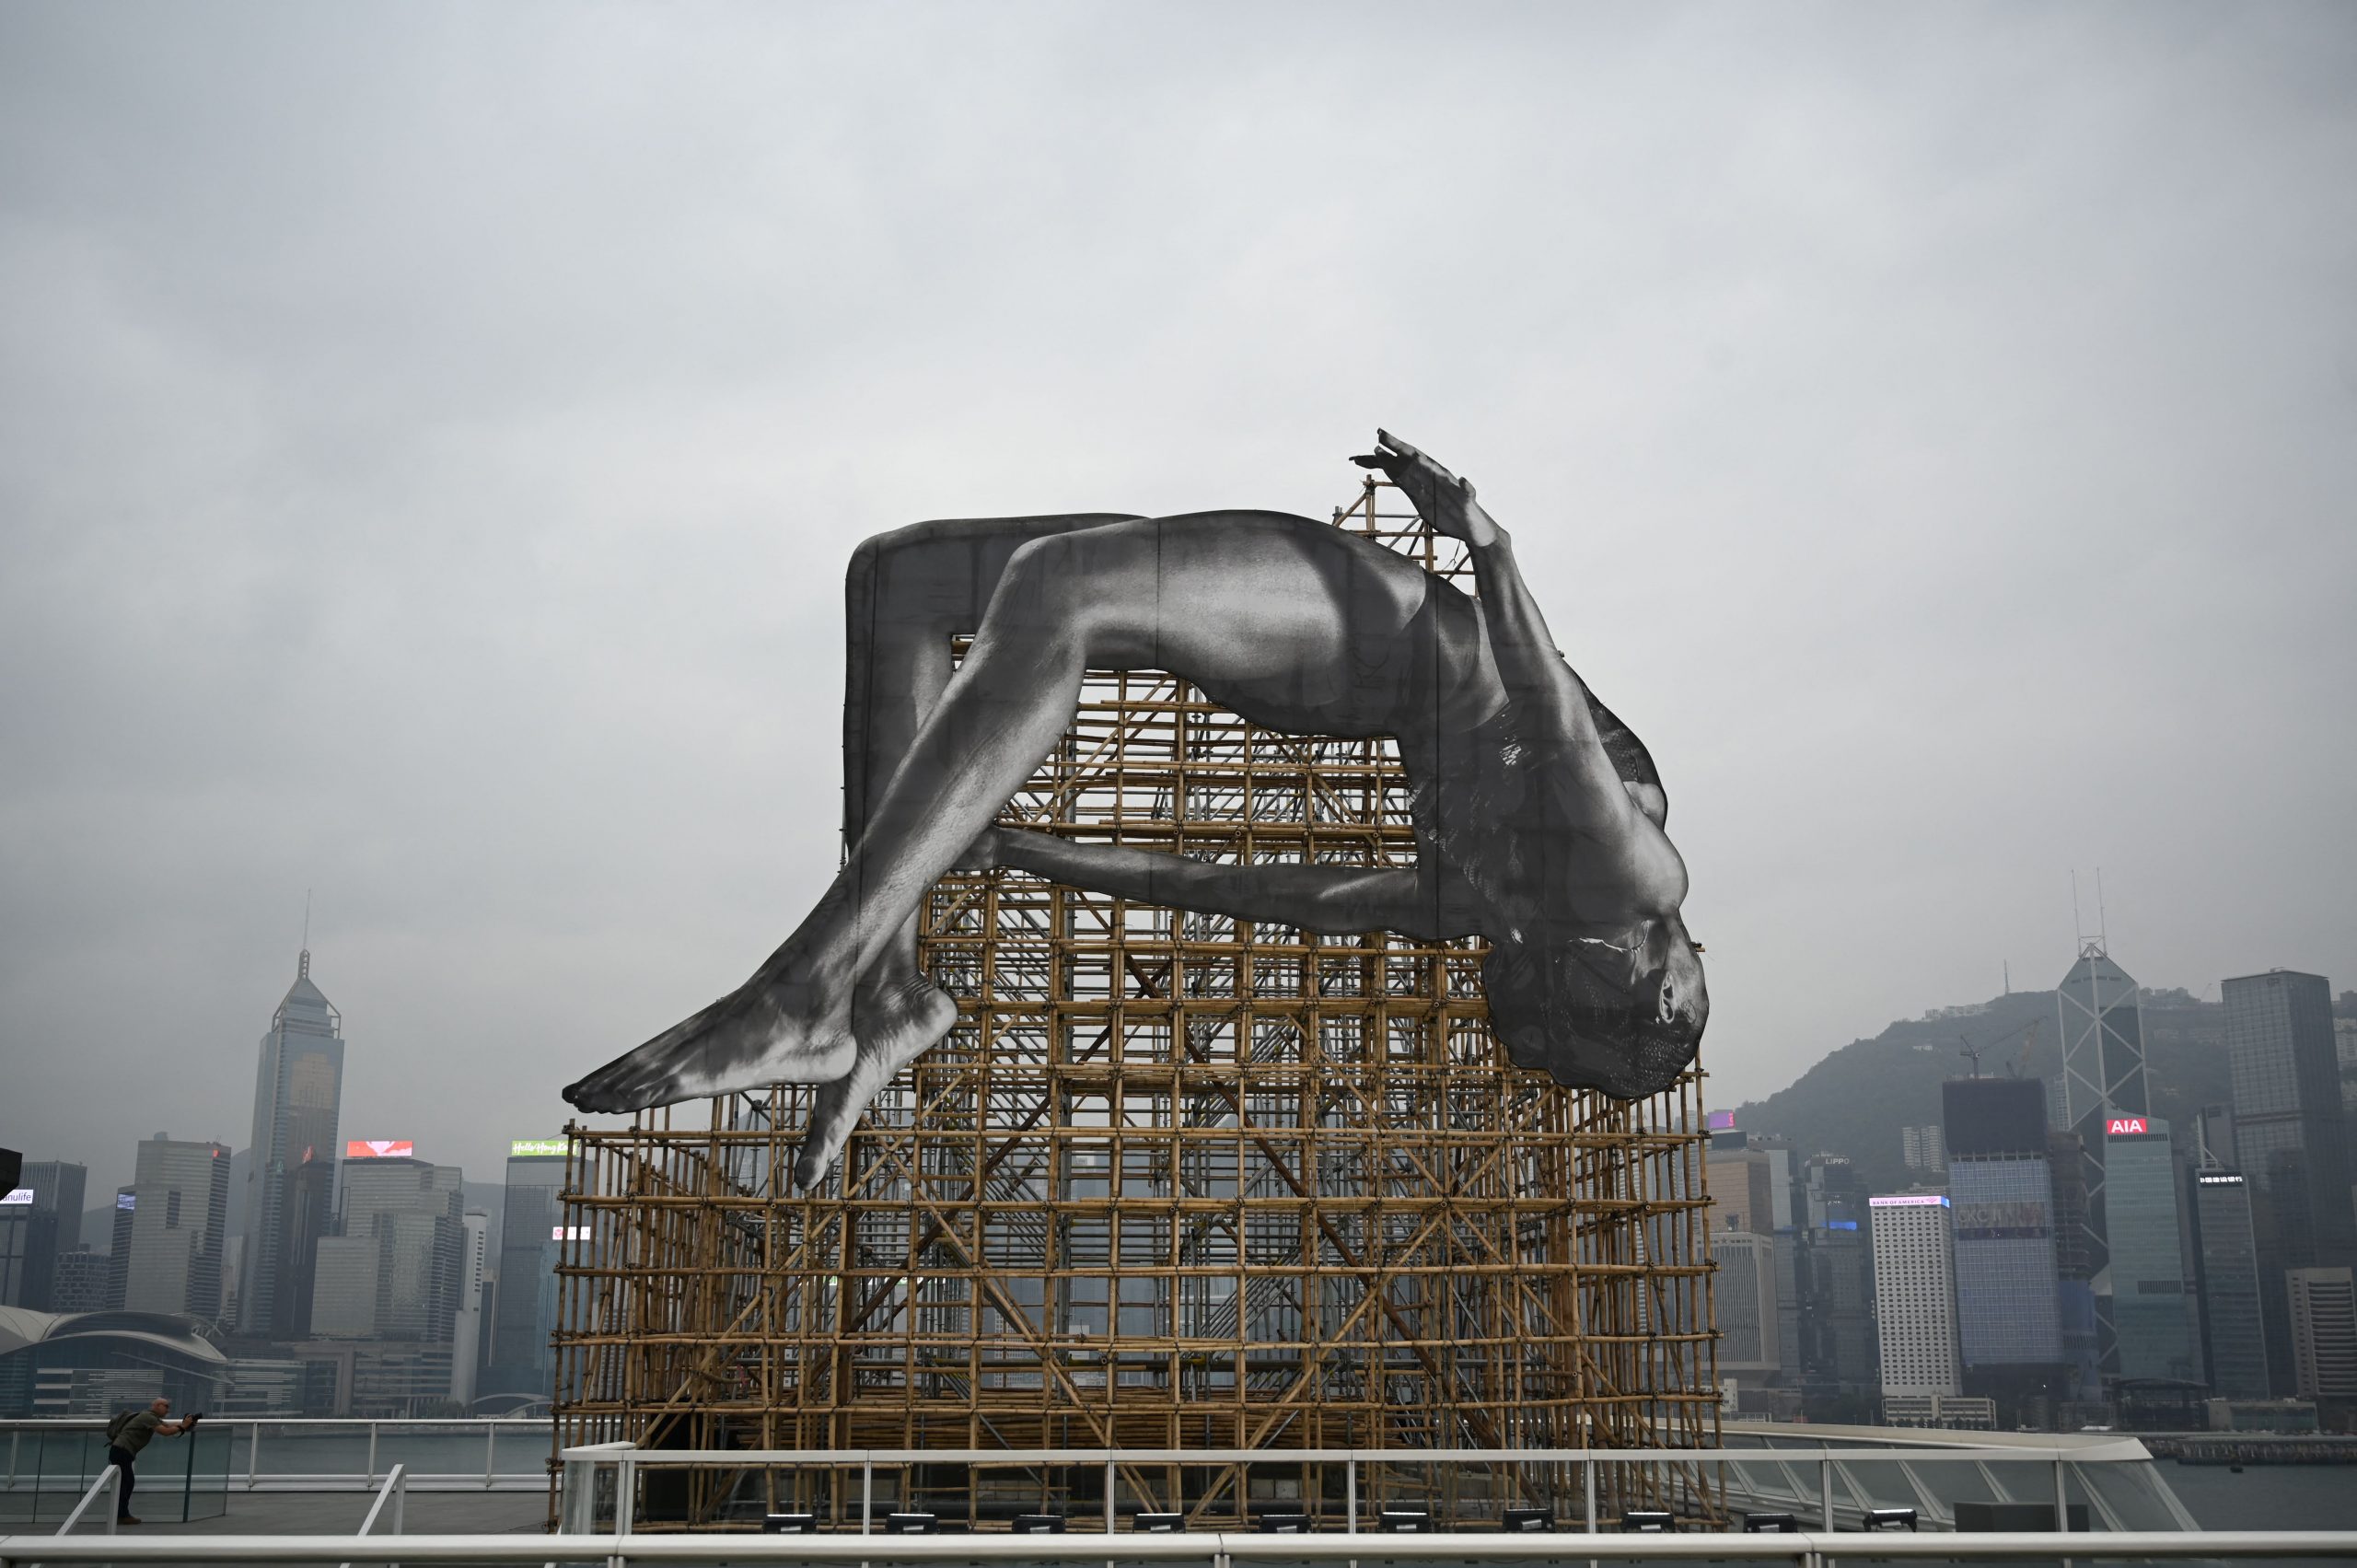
x=123 y=1459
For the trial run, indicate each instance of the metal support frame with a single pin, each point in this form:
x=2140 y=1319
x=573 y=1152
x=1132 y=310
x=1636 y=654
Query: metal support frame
x=1172 y=1180
x=1215 y=1551
x=110 y=1482
x=395 y=1493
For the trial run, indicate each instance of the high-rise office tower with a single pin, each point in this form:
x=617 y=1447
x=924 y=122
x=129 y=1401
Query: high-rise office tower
x=1915 y=1294
x=2154 y=1331
x=2233 y=1329
x=170 y=1248
x=298 y=1095
x=310 y=1219
x=1924 y=1148
x=81 y=1282
x=2324 y=1332
x=126 y=1209
x=1750 y=1182
x=1744 y=1292
x=1825 y=1294
x=2103 y=1082
x=530 y=1226
x=467 y=1325
x=1829 y=1194
x=2289 y=1138
x=2008 y=1316
x=397 y=1259
x=2074 y=1283
x=39 y=1219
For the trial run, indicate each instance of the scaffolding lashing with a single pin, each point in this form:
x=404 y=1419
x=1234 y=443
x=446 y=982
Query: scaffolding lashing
x=1173 y=1182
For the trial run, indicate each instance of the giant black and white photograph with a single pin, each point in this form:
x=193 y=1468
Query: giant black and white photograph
x=907 y=769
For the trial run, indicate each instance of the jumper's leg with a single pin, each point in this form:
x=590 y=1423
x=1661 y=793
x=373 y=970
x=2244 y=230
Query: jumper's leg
x=1268 y=614
x=906 y=595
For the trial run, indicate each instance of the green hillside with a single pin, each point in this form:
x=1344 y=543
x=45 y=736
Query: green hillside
x=1855 y=1101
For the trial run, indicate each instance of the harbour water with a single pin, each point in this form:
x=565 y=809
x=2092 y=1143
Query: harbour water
x=2267 y=1497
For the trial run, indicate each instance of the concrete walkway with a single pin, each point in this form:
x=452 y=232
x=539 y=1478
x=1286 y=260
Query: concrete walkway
x=339 y=1513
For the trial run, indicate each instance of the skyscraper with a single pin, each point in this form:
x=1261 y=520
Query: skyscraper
x=2103 y=1080
x=298 y=1095
x=2074 y=1283
x=81 y=1282
x=467 y=1325
x=2233 y=1329
x=2154 y=1332
x=1825 y=1295
x=411 y=1210
x=39 y=1219
x=2008 y=1318
x=1915 y=1294
x=126 y=1210
x=1745 y=1295
x=2324 y=1332
x=521 y=1359
x=2290 y=1139
x=170 y=1248
x=1751 y=1180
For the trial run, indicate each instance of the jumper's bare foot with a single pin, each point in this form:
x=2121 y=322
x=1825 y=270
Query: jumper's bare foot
x=894 y=1022
x=1443 y=501
x=767 y=1030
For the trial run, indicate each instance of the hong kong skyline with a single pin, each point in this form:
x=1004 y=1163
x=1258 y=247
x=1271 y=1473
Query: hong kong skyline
x=432 y=497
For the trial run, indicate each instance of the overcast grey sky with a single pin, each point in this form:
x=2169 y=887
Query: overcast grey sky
x=430 y=441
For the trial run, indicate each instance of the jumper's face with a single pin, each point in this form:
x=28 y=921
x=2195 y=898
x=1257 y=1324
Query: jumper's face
x=1622 y=1019
x=1681 y=1001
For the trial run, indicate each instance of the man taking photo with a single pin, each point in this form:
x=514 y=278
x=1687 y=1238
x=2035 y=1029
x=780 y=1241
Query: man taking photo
x=132 y=1431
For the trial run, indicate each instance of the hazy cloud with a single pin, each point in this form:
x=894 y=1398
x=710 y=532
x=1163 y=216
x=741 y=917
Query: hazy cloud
x=434 y=437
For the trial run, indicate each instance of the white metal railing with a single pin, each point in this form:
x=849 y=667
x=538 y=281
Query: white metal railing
x=394 y=1491
x=110 y=1482
x=293 y=1453
x=1222 y=1550
x=580 y=1467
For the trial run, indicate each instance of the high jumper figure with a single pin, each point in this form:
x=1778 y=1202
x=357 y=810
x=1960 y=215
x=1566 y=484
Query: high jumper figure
x=1538 y=817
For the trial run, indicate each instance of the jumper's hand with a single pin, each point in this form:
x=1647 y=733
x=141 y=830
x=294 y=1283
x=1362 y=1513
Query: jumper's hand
x=1443 y=501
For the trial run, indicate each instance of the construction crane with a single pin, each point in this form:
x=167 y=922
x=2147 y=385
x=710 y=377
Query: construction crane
x=2029 y=1036
x=1973 y=1053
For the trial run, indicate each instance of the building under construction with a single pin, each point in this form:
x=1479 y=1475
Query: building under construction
x=1173 y=1181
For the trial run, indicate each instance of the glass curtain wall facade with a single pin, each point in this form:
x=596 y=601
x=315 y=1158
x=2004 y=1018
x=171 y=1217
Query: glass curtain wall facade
x=2290 y=1139
x=2009 y=1326
x=171 y=1236
x=41 y=1218
x=298 y=1096
x=2154 y=1330
x=2103 y=1080
x=2234 y=1328
x=524 y=1309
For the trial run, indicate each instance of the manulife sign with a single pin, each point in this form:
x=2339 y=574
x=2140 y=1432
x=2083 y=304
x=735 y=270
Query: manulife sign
x=524 y=1147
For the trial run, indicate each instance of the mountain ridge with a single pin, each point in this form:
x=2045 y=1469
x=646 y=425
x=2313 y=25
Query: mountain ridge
x=1854 y=1101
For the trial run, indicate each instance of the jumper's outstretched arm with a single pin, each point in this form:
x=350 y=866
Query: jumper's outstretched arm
x=1553 y=701
x=1317 y=898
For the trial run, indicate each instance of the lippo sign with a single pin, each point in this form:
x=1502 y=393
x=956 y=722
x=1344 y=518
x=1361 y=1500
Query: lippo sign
x=2118 y=1125
x=379 y=1149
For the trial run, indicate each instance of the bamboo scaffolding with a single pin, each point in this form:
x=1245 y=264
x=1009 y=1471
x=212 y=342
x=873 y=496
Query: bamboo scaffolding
x=1173 y=1180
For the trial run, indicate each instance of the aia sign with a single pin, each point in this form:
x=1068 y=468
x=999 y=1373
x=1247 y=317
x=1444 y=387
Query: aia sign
x=2119 y=1124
